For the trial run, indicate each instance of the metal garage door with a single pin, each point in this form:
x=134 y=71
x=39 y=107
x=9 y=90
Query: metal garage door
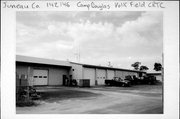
x=110 y=74
x=89 y=73
x=119 y=74
x=133 y=73
x=101 y=76
x=40 y=77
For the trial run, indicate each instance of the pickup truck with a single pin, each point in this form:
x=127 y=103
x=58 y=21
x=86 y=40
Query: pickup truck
x=117 y=81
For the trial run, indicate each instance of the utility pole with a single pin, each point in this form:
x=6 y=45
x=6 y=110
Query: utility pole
x=77 y=55
x=77 y=52
x=109 y=64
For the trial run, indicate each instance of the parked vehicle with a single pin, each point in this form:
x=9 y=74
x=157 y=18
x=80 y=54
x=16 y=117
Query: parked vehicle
x=130 y=79
x=133 y=80
x=149 y=80
x=117 y=81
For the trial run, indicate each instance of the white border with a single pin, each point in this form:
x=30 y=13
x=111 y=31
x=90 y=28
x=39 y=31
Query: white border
x=171 y=64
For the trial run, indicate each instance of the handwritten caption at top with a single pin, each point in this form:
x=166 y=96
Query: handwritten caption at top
x=83 y=5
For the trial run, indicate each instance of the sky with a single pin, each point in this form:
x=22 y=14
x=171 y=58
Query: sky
x=90 y=37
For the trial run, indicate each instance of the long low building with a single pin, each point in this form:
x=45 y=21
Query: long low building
x=54 y=72
x=157 y=74
x=98 y=74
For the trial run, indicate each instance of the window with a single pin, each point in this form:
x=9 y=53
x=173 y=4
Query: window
x=40 y=76
x=35 y=76
x=44 y=76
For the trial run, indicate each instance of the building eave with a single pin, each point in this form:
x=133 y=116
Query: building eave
x=105 y=67
x=28 y=59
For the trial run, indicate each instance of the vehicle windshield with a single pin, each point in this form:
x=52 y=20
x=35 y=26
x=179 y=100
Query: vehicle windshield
x=116 y=78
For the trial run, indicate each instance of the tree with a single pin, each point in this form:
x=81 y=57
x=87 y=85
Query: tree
x=136 y=65
x=143 y=68
x=157 y=66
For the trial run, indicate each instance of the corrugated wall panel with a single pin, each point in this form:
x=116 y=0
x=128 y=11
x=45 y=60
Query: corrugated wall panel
x=56 y=76
x=22 y=70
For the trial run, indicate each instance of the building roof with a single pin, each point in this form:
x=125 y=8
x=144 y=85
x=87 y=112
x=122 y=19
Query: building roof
x=151 y=72
x=154 y=74
x=28 y=59
x=106 y=67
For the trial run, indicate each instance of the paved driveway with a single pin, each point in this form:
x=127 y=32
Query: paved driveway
x=142 y=99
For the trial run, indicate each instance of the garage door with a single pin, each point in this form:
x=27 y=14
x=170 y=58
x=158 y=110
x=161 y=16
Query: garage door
x=133 y=73
x=110 y=74
x=101 y=76
x=120 y=74
x=40 y=77
x=89 y=73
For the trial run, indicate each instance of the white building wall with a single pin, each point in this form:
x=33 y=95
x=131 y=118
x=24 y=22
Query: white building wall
x=89 y=73
x=76 y=71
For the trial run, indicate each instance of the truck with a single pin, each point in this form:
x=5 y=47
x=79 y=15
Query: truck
x=149 y=80
x=117 y=81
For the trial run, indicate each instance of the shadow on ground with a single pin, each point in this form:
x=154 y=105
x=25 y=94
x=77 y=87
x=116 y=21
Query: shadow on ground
x=58 y=95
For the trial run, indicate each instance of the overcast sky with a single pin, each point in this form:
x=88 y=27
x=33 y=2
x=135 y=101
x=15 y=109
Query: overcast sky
x=99 y=37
